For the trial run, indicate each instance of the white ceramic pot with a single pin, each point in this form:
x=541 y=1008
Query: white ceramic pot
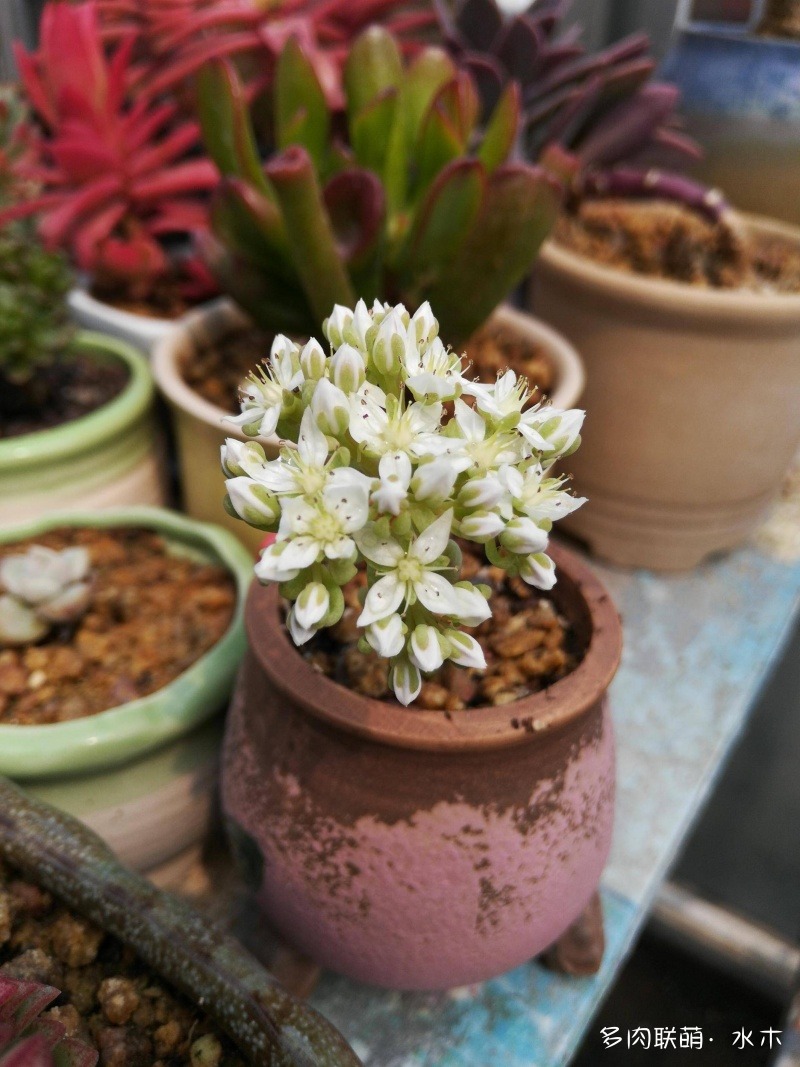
x=200 y=431
x=111 y=457
x=692 y=400
x=141 y=331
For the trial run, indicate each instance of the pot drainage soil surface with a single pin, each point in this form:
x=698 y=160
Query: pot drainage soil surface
x=528 y=645
x=663 y=240
x=67 y=390
x=216 y=369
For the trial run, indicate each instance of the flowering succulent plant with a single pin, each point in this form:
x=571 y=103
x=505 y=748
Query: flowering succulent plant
x=582 y=113
x=29 y=1040
x=383 y=464
x=414 y=205
x=39 y=589
x=117 y=175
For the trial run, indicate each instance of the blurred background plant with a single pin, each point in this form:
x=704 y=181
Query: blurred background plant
x=35 y=328
x=586 y=115
x=174 y=38
x=118 y=178
x=405 y=200
x=16 y=150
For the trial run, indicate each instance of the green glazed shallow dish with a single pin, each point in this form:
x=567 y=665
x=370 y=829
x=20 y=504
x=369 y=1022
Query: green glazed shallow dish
x=113 y=737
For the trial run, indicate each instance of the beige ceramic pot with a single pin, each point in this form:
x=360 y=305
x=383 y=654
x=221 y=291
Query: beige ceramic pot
x=421 y=849
x=200 y=431
x=693 y=401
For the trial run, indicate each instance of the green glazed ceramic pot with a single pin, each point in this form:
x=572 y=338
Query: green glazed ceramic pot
x=142 y=774
x=109 y=458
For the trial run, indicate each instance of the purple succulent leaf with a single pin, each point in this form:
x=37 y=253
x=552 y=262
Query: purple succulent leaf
x=672 y=140
x=628 y=126
x=569 y=119
x=489 y=79
x=586 y=65
x=632 y=184
x=356 y=205
x=555 y=54
x=518 y=47
x=479 y=21
x=447 y=25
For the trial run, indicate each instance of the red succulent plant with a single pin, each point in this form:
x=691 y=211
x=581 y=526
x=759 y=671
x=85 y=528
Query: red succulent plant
x=30 y=1039
x=175 y=38
x=118 y=176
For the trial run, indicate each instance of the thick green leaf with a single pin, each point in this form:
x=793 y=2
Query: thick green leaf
x=501 y=130
x=251 y=226
x=441 y=223
x=225 y=121
x=373 y=66
x=519 y=210
x=301 y=111
x=441 y=138
x=313 y=242
x=426 y=75
x=371 y=131
x=274 y=305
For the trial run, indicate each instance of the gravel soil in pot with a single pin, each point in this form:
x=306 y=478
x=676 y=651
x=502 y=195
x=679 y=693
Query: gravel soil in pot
x=152 y=615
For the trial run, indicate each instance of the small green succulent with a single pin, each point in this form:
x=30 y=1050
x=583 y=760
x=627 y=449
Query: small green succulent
x=39 y=589
x=35 y=327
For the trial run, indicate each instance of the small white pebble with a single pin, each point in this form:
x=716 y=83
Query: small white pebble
x=37 y=679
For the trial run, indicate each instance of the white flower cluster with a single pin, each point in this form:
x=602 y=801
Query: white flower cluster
x=382 y=464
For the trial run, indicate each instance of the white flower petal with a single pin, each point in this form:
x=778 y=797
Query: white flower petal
x=312 y=445
x=472 y=606
x=311 y=605
x=387 y=636
x=424 y=649
x=381 y=550
x=523 y=536
x=406 y=682
x=433 y=540
x=383 y=598
x=299 y=633
x=539 y=570
x=437 y=594
x=466 y=652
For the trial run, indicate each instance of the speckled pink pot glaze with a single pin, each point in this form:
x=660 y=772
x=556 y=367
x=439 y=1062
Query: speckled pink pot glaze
x=411 y=850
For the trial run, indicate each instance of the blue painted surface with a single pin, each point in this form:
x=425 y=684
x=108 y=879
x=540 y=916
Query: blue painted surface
x=724 y=75
x=698 y=650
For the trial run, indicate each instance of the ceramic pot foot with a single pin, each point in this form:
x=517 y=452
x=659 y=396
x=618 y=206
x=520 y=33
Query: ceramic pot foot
x=579 y=951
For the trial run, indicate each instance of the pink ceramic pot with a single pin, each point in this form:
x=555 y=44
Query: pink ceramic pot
x=422 y=849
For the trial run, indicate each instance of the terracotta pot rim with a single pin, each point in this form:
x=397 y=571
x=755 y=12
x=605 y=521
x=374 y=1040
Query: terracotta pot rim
x=472 y=729
x=224 y=315
x=679 y=297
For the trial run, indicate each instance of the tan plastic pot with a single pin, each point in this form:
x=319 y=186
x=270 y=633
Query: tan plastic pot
x=693 y=401
x=200 y=431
